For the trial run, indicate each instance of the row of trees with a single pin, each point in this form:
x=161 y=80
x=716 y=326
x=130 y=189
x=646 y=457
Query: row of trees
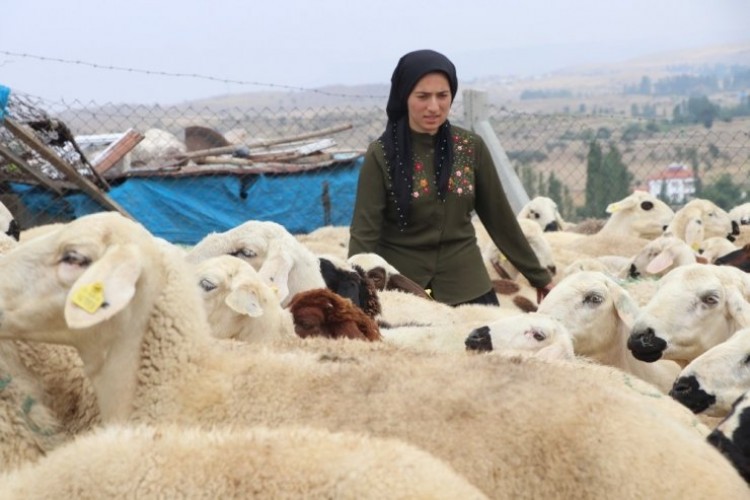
x=719 y=77
x=608 y=180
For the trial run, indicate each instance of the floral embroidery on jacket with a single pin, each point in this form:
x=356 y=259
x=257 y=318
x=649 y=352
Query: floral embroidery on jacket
x=461 y=181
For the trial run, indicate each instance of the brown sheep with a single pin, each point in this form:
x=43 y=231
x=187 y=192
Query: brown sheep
x=323 y=313
x=739 y=258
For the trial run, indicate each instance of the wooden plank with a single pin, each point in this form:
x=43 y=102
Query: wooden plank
x=21 y=163
x=263 y=144
x=49 y=155
x=116 y=150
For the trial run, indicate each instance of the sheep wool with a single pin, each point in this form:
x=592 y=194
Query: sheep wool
x=512 y=426
x=286 y=463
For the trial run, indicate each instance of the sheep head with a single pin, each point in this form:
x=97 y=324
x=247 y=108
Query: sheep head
x=323 y=313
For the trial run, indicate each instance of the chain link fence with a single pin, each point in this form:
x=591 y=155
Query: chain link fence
x=549 y=152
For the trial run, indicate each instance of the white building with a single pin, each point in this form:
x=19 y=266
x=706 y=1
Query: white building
x=676 y=184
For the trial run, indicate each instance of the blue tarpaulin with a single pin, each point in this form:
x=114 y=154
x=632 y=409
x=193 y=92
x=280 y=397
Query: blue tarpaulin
x=184 y=209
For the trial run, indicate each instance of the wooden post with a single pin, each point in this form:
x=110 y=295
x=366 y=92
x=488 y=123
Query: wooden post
x=21 y=163
x=49 y=155
x=475 y=105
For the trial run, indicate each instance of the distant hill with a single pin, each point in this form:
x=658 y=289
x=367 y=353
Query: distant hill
x=598 y=79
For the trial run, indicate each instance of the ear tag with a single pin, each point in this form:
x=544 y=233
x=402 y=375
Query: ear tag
x=696 y=246
x=89 y=297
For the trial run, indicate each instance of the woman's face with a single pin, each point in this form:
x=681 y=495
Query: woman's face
x=429 y=103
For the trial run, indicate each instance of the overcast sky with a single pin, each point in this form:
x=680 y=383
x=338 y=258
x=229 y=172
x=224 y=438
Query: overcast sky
x=313 y=43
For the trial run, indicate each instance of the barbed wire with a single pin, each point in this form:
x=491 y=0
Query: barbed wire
x=183 y=75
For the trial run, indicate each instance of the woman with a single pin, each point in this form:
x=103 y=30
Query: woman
x=419 y=184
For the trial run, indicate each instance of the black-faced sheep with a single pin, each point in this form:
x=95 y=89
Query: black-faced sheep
x=351 y=282
x=732 y=436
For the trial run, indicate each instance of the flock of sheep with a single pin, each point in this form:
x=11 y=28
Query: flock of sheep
x=264 y=364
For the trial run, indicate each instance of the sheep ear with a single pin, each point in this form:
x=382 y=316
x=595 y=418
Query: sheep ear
x=105 y=288
x=404 y=284
x=625 y=306
x=244 y=300
x=276 y=268
x=660 y=262
x=628 y=202
x=738 y=307
x=694 y=232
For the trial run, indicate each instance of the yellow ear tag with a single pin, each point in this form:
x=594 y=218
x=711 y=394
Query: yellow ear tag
x=613 y=207
x=89 y=297
x=695 y=246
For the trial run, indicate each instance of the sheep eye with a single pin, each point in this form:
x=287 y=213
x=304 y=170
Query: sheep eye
x=244 y=252
x=538 y=336
x=75 y=258
x=746 y=361
x=647 y=205
x=207 y=285
x=536 y=215
x=593 y=298
x=710 y=299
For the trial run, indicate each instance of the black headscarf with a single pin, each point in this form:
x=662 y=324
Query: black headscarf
x=397 y=139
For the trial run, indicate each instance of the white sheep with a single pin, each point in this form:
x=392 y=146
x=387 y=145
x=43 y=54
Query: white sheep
x=716 y=246
x=384 y=276
x=694 y=308
x=28 y=429
x=6 y=243
x=103 y=285
x=661 y=255
x=699 y=219
x=55 y=371
x=714 y=380
x=327 y=240
x=40 y=230
x=640 y=215
x=279 y=258
x=8 y=224
x=741 y=214
x=169 y=461
x=615 y=266
x=543 y=211
x=633 y=222
x=498 y=266
x=239 y=304
x=400 y=309
x=531 y=333
x=156 y=144
x=599 y=314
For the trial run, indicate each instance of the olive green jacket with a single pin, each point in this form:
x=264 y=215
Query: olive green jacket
x=438 y=249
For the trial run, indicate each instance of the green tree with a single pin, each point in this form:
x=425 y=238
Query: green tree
x=554 y=189
x=528 y=179
x=607 y=179
x=724 y=192
x=645 y=87
x=698 y=109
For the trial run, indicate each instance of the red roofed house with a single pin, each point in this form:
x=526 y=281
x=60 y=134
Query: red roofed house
x=676 y=183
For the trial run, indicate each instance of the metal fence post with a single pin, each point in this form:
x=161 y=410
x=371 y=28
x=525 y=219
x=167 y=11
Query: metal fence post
x=475 y=111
